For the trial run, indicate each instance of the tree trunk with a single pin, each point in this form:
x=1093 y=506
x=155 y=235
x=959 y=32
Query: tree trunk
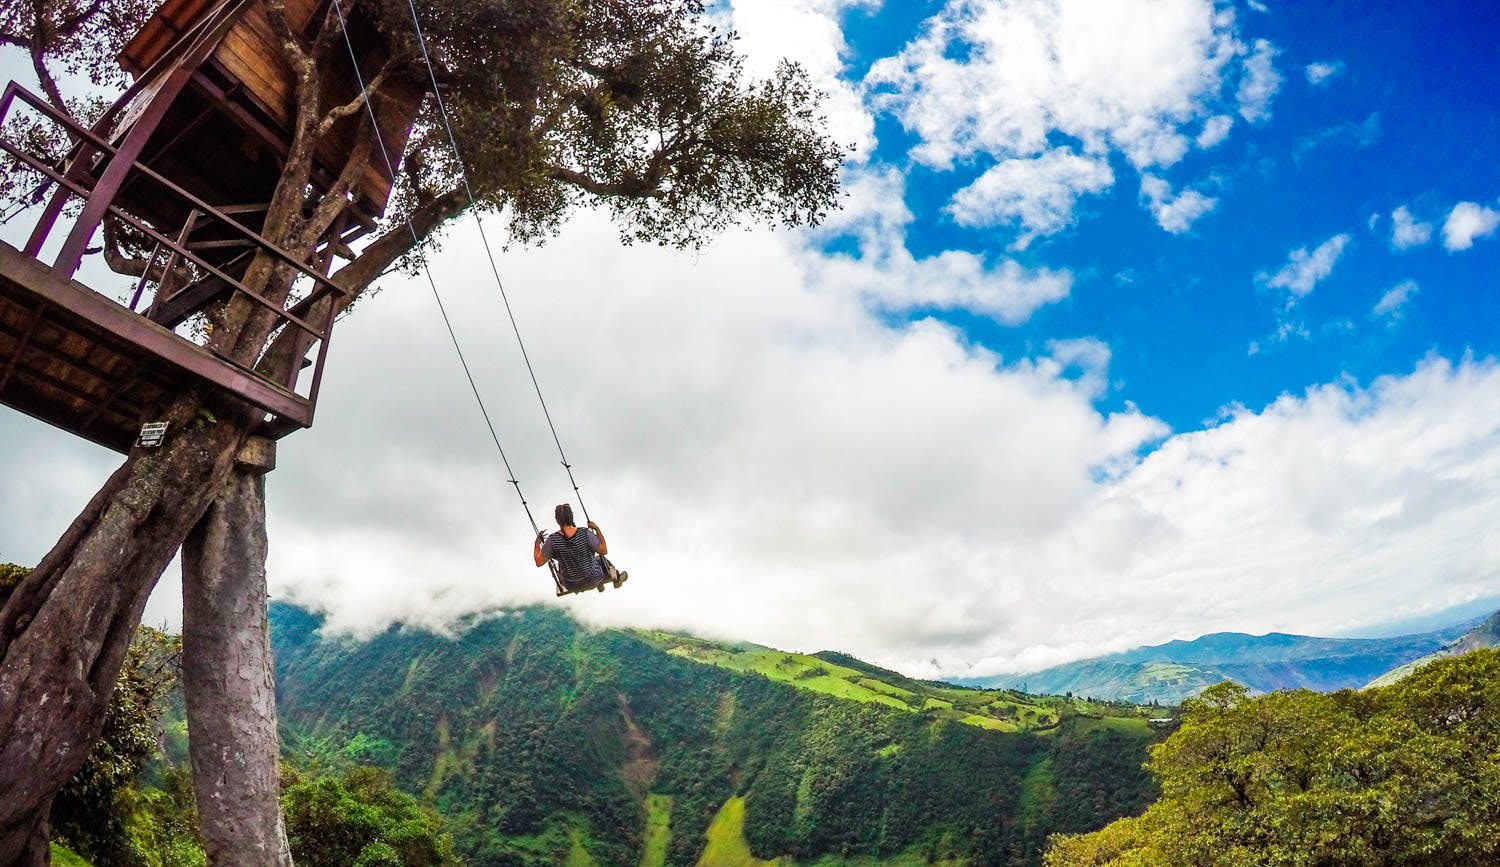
x=65 y=630
x=227 y=674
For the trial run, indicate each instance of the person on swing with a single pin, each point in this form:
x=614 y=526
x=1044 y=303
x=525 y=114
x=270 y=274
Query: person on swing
x=579 y=553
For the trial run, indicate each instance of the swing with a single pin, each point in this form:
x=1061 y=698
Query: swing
x=562 y=587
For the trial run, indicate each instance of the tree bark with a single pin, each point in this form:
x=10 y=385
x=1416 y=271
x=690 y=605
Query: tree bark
x=65 y=631
x=227 y=673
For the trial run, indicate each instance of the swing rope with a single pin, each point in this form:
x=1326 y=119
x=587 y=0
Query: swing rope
x=494 y=269
x=391 y=169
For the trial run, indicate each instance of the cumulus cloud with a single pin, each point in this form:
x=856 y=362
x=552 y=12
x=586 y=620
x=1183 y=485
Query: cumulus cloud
x=1407 y=231
x=1260 y=83
x=722 y=436
x=1038 y=193
x=1344 y=499
x=1305 y=269
x=774 y=461
x=1467 y=222
x=1039 y=85
x=1215 y=130
x=1177 y=213
x=810 y=33
x=885 y=275
x=1392 y=302
x=1323 y=71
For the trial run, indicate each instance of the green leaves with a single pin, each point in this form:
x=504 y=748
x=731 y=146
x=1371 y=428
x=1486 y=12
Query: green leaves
x=640 y=106
x=362 y=820
x=1402 y=774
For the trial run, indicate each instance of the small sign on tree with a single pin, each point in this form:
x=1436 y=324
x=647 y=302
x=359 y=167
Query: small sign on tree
x=152 y=433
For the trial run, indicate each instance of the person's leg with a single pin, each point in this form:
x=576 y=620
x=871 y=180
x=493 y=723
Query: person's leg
x=611 y=574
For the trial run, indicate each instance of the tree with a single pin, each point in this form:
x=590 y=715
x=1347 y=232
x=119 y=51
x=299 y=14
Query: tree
x=637 y=106
x=93 y=811
x=1404 y=774
x=364 y=820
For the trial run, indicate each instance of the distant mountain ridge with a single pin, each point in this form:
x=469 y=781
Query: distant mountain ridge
x=1170 y=672
x=1485 y=634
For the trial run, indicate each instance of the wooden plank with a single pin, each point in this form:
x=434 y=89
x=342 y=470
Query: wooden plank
x=171 y=20
x=256 y=64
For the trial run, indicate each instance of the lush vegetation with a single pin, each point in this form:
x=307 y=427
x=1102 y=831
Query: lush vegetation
x=545 y=743
x=843 y=676
x=131 y=805
x=1405 y=774
x=359 y=820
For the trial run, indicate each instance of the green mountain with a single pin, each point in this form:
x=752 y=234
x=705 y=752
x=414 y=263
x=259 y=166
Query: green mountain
x=1171 y=672
x=543 y=742
x=1485 y=634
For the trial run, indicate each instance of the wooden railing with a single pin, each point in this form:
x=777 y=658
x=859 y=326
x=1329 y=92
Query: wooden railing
x=90 y=174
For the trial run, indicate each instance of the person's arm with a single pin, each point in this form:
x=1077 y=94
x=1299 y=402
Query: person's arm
x=603 y=546
x=540 y=551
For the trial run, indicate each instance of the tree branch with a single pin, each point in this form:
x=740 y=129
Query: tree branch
x=300 y=154
x=334 y=22
x=357 y=276
x=603 y=188
x=120 y=263
x=337 y=197
x=339 y=112
x=72 y=24
x=49 y=85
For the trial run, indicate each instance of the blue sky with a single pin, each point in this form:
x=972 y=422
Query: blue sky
x=1142 y=319
x=1405 y=117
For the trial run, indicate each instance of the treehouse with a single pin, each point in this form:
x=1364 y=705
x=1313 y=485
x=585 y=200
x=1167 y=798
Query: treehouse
x=185 y=163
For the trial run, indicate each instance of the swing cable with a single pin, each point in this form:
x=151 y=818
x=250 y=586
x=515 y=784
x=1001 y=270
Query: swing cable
x=391 y=169
x=495 y=269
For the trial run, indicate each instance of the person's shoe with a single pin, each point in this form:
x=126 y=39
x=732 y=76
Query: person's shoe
x=624 y=576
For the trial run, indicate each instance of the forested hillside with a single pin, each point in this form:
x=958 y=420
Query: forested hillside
x=1403 y=774
x=546 y=743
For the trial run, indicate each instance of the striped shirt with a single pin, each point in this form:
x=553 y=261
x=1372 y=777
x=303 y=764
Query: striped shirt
x=575 y=556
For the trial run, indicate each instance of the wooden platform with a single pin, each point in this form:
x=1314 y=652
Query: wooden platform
x=78 y=360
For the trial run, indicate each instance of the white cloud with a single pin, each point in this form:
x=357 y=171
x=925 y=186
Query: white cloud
x=1174 y=213
x=1407 y=231
x=1467 y=222
x=773 y=462
x=1083 y=359
x=1313 y=515
x=1023 y=81
x=1260 y=82
x=1215 y=130
x=887 y=276
x=721 y=436
x=1304 y=270
x=1320 y=73
x=810 y=33
x=1392 y=302
x=1038 y=193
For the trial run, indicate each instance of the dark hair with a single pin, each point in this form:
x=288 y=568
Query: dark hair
x=564 y=515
